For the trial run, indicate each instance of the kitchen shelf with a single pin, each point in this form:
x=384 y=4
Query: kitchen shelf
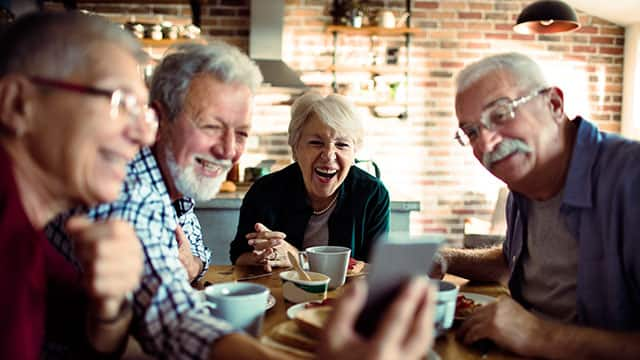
x=396 y=64
x=375 y=69
x=372 y=30
x=169 y=42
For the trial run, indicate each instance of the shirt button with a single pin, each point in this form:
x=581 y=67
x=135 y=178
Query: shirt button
x=513 y=258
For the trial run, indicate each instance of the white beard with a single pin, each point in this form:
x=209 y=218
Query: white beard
x=192 y=185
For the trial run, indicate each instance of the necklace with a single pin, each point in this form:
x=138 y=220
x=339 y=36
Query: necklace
x=320 y=212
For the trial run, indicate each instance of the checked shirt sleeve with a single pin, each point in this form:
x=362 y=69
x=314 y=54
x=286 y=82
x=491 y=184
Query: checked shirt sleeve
x=170 y=318
x=191 y=227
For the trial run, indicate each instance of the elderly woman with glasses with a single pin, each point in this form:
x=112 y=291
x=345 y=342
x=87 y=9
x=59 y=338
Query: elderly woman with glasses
x=70 y=120
x=321 y=199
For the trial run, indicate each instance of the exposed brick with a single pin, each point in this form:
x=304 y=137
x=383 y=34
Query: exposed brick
x=480 y=6
x=455 y=5
x=523 y=36
x=549 y=38
x=611 y=50
x=469 y=15
x=607 y=30
x=427 y=4
x=498 y=36
x=496 y=16
x=602 y=40
x=479 y=26
x=587 y=49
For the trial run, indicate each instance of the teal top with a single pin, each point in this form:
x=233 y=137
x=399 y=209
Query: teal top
x=280 y=202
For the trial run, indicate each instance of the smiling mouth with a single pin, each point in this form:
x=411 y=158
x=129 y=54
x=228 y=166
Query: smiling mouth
x=208 y=165
x=325 y=173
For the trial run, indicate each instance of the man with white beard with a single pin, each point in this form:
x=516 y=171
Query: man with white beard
x=203 y=96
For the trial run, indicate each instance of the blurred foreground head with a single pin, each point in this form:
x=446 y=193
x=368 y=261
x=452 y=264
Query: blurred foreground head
x=72 y=104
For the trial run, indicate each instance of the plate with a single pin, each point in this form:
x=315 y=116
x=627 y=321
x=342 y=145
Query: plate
x=477 y=298
x=294 y=309
x=271 y=302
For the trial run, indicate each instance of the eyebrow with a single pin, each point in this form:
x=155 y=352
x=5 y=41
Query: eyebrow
x=495 y=101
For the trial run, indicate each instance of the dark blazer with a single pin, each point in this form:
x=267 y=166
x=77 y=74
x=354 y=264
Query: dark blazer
x=280 y=202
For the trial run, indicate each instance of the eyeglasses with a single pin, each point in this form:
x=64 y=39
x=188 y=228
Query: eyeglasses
x=121 y=101
x=494 y=117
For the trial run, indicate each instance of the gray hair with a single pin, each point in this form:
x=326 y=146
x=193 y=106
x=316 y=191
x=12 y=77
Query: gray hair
x=171 y=79
x=525 y=71
x=334 y=110
x=56 y=44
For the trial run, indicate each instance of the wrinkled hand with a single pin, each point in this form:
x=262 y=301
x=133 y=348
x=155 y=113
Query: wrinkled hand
x=506 y=323
x=405 y=331
x=111 y=256
x=269 y=248
x=191 y=263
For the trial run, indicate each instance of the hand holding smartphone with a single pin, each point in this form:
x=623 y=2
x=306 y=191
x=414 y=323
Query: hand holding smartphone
x=394 y=261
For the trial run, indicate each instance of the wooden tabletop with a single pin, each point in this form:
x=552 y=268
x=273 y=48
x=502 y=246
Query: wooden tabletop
x=446 y=346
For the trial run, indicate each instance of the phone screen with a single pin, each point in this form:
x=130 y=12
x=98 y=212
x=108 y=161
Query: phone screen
x=394 y=262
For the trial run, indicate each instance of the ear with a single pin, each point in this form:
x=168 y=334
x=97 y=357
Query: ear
x=16 y=107
x=556 y=103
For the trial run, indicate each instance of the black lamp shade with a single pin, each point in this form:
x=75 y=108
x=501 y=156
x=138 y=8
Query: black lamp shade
x=546 y=17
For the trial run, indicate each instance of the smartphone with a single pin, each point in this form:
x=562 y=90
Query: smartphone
x=395 y=260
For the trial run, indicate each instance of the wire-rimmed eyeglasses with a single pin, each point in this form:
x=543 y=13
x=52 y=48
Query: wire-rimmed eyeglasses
x=121 y=101
x=498 y=114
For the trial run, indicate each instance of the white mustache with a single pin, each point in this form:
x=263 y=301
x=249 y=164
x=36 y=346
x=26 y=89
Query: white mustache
x=504 y=149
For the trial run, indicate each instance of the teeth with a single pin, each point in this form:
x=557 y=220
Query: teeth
x=206 y=164
x=326 y=172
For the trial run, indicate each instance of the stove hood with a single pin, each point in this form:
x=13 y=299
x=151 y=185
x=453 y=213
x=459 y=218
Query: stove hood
x=265 y=47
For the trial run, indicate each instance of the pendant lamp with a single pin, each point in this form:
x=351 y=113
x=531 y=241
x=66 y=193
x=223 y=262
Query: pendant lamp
x=546 y=17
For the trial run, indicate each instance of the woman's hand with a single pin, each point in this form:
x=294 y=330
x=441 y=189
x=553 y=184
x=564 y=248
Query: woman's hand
x=269 y=249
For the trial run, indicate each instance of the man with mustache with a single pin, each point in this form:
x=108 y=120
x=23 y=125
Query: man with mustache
x=572 y=252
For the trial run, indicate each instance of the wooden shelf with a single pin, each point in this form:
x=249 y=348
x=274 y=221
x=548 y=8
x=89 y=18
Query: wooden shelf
x=148 y=18
x=376 y=69
x=372 y=30
x=169 y=42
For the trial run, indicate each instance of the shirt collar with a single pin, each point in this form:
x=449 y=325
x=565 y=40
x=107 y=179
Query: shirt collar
x=578 y=187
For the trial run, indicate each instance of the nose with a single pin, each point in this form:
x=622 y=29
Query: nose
x=329 y=153
x=487 y=140
x=225 y=146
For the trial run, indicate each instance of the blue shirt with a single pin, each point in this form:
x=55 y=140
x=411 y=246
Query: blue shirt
x=170 y=318
x=601 y=206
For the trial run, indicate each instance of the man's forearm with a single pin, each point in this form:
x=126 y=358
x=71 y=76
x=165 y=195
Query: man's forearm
x=477 y=264
x=573 y=342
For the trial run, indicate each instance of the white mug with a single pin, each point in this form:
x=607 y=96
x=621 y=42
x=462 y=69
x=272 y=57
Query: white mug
x=332 y=261
x=387 y=19
x=240 y=304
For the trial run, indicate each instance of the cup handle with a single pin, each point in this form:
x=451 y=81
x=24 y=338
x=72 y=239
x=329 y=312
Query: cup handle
x=303 y=260
x=210 y=306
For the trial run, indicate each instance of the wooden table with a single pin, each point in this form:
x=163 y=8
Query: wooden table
x=446 y=346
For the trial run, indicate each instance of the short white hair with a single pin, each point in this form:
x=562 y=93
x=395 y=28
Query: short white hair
x=524 y=70
x=226 y=63
x=333 y=110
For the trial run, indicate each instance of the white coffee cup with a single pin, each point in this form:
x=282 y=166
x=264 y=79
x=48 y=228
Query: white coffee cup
x=332 y=261
x=241 y=304
x=445 y=306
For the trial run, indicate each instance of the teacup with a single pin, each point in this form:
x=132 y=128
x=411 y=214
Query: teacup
x=332 y=261
x=445 y=306
x=241 y=304
x=298 y=290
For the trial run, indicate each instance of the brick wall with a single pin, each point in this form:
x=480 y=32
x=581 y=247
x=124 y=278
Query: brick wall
x=418 y=157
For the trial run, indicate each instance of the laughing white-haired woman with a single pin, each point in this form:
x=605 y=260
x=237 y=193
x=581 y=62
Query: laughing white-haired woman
x=320 y=199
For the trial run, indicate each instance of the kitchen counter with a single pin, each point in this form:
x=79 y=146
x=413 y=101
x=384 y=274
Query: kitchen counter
x=219 y=220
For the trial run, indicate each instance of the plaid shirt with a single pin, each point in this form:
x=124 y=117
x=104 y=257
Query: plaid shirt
x=171 y=319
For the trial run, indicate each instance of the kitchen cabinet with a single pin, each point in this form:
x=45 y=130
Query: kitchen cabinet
x=219 y=221
x=387 y=68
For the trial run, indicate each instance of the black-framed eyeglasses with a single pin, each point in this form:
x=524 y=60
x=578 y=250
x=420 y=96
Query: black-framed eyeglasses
x=121 y=102
x=494 y=117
